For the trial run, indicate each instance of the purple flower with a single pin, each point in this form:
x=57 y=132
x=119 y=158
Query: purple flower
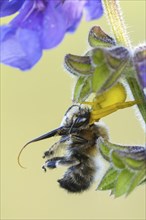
x=140 y=64
x=9 y=7
x=39 y=25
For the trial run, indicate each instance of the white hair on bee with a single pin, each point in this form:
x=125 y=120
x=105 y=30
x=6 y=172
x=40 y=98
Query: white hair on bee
x=101 y=167
x=80 y=154
x=103 y=130
x=100 y=163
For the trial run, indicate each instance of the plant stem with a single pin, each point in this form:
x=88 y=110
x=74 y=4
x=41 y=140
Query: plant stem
x=115 y=18
x=116 y=21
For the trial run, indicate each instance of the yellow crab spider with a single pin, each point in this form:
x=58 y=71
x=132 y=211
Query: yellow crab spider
x=109 y=102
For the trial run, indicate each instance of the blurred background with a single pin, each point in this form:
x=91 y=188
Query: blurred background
x=33 y=103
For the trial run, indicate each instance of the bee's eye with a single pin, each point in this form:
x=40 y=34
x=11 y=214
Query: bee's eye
x=80 y=121
x=76 y=117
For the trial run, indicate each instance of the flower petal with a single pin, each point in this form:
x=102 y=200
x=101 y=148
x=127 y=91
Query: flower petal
x=142 y=73
x=41 y=24
x=8 y=7
x=73 y=11
x=53 y=25
x=93 y=9
x=26 y=13
x=140 y=64
x=59 y=20
x=17 y=49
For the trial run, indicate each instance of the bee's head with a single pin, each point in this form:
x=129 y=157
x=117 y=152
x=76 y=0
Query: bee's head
x=76 y=117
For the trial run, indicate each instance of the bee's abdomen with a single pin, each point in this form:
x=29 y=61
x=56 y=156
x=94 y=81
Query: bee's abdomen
x=77 y=178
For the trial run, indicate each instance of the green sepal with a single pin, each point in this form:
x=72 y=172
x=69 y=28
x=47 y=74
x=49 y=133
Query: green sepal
x=143 y=181
x=133 y=157
x=123 y=182
x=98 y=56
x=108 y=181
x=78 y=65
x=104 y=149
x=97 y=37
x=100 y=75
x=82 y=89
x=109 y=65
x=138 y=151
x=116 y=160
x=134 y=163
x=136 y=180
x=128 y=161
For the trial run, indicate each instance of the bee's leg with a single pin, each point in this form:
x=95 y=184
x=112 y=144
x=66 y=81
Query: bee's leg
x=51 y=151
x=67 y=162
x=55 y=147
x=95 y=104
x=59 y=161
x=51 y=163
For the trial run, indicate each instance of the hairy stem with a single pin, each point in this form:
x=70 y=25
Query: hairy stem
x=115 y=18
x=116 y=21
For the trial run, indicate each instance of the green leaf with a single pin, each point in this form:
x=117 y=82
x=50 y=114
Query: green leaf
x=116 y=160
x=98 y=38
x=78 y=65
x=109 y=179
x=123 y=182
x=136 y=180
x=82 y=89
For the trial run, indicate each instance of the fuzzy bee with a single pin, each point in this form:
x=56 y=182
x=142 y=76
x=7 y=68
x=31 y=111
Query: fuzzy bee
x=79 y=137
x=79 y=131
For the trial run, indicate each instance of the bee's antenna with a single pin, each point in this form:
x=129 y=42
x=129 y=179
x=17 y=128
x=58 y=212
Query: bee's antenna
x=58 y=131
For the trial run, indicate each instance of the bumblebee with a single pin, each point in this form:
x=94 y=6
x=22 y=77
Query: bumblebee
x=79 y=132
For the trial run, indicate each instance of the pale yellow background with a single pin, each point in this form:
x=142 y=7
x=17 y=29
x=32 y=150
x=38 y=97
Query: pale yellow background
x=33 y=103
